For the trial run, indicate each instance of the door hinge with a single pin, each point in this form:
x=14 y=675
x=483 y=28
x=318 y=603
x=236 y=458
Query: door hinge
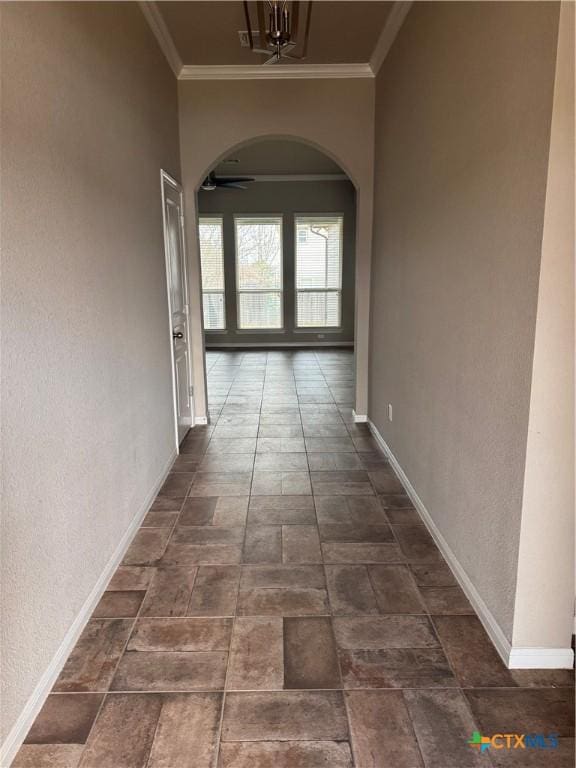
x=191 y=391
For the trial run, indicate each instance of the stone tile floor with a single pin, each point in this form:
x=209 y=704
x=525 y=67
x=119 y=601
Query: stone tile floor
x=282 y=605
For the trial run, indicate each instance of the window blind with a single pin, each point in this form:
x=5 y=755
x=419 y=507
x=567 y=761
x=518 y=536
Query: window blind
x=318 y=271
x=212 y=266
x=259 y=271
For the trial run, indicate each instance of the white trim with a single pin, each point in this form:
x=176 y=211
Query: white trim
x=287 y=177
x=541 y=658
x=278 y=72
x=359 y=418
x=240 y=344
x=35 y=702
x=388 y=35
x=514 y=658
x=200 y=421
x=162 y=35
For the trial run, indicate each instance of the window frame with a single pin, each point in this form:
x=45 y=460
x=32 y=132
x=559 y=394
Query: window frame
x=322 y=328
x=259 y=216
x=220 y=218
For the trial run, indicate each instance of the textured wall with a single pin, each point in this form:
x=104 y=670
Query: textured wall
x=545 y=586
x=288 y=199
x=463 y=106
x=335 y=116
x=89 y=116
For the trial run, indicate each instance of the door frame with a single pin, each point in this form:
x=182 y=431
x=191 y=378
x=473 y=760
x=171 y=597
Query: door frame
x=165 y=178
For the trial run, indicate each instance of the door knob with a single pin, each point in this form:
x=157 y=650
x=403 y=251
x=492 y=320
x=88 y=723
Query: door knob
x=178 y=335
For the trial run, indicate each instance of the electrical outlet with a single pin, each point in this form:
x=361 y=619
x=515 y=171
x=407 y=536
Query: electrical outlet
x=320 y=335
x=389 y=411
x=245 y=40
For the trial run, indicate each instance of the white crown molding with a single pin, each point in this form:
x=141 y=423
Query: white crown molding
x=279 y=72
x=388 y=35
x=282 y=72
x=268 y=177
x=34 y=704
x=513 y=657
x=162 y=35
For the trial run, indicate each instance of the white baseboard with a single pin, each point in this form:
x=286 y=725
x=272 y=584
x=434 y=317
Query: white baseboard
x=541 y=658
x=514 y=658
x=359 y=418
x=34 y=704
x=200 y=420
x=278 y=344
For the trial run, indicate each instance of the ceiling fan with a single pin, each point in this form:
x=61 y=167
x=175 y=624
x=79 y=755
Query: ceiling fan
x=278 y=34
x=212 y=182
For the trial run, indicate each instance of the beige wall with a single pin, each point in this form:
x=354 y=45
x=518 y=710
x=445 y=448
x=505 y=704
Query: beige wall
x=336 y=116
x=545 y=585
x=89 y=116
x=288 y=199
x=463 y=106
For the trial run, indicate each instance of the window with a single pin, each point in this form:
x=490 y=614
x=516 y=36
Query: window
x=259 y=271
x=212 y=262
x=318 y=271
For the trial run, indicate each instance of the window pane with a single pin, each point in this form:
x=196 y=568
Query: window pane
x=211 y=254
x=213 y=304
x=318 y=309
x=259 y=253
x=260 y=310
x=319 y=252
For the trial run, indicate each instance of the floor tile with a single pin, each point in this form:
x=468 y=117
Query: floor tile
x=147 y=546
x=396 y=668
x=341 y=483
x=381 y=730
x=329 y=445
x=273 y=483
x=230 y=511
x=215 y=591
x=293 y=601
x=280 y=445
x=198 y=511
x=378 y=632
x=395 y=589
x=281 y=461
x=443 y=726
x=181 y=634
x=210 y=535
x=333 y=461
x=284 y=715
x=310 y=658
x=433 y=575
x=350 y=510
x=160 y=518
x=177 y=484
x=227 y=462
x=446 y=601
x=282 y=576
x=354 y=534
x=93 y=659
x=169 y=591
x=362 y=553
x=286 y=754
x=464 y=638
x=221 y=484
x=523 y=710
x=129 y=577
x=118 y=604
x=201 y=554
x=417 y=544
x=231 y=445
x=65 y=719
x=167 y=671
x=256 y=655
x=263 y=544
x=385 y=481
x=48 y=756
x=350 y=590
x=300 y=544
x=277 y=431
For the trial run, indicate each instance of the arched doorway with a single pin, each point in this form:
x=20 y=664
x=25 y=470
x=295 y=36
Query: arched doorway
x=270 y=158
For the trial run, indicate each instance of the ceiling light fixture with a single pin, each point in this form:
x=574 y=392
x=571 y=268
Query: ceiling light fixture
x=278 y=29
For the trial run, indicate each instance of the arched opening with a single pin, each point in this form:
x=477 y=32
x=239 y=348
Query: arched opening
x=276 y=237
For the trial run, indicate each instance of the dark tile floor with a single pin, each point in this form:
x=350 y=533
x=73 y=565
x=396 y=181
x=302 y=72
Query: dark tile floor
x=282 y=605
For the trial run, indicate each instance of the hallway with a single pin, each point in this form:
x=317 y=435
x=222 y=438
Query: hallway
x=282 y=605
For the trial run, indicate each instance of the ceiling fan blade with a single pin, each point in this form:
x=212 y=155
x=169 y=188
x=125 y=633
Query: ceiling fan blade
x=232 y=186
x=232 y=179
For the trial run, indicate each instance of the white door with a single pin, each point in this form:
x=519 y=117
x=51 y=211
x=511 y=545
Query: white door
x=173 y=209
